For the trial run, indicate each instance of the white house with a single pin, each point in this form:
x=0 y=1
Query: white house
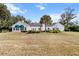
x=22 y=26
x=55 y=26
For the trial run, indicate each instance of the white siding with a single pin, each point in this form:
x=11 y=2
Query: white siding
x=56 y=26
x=48 y=28
x=59 y=26
x=35 y=28
x=28 y=28
x=43 y=27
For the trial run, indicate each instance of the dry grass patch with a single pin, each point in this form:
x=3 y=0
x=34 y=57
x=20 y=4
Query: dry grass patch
x=65 y=43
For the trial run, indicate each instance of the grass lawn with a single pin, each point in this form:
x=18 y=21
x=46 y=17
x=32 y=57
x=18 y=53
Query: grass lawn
x=65 y=43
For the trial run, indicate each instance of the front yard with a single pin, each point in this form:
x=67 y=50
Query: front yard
x=65 y=43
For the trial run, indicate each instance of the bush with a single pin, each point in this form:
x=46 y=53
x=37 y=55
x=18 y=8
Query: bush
x=23 y=31
x=5 y=30
x=67 y=28
x=33 y=31
x=74 y=28
x=54 y=31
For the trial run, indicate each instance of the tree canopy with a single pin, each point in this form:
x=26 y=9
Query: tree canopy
x=4 y=16
x=67 y=16
x=46 y=19
x=4 y=12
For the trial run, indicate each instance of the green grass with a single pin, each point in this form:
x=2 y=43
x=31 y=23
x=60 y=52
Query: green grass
x=53 y=44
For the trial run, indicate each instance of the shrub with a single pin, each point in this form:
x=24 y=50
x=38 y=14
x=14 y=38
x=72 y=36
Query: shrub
x=54 y=31
x=4 y=30
x=30 y=31
x=67 y=29
x=23 y=31
x=74 y=28
x=0 y=30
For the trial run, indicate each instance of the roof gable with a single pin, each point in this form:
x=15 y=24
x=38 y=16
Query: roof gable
x=20 y=23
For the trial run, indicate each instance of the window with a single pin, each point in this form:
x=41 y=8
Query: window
x=25 y=28
x=48 y=28
x=17 y=27
x=53 y=29
x=57 y=28
x=39 y=28
x=13 y=28
x=34 y=29
x=21 y=27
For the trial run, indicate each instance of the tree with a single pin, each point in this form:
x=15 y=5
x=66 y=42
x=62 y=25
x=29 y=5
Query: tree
x=15 y=19
x=4 y=12
x=20 y=18
x=74 y=26
x=28 y=21
x=4 y=16
x=67 y=16
x=46 y=19
x=6 y=20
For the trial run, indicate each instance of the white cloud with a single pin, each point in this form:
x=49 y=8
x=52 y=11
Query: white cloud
x=40 y=6
x=15 y=10
x=55 y=17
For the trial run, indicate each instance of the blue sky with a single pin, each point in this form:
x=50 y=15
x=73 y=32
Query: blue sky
x=34 y=11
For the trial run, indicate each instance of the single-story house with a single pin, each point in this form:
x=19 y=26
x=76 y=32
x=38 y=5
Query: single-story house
x=55 y=26
x=22 y=26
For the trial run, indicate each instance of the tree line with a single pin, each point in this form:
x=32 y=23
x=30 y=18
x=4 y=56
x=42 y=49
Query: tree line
x=7 y=20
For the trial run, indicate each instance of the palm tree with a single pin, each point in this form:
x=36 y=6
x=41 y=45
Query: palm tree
x=46 y=19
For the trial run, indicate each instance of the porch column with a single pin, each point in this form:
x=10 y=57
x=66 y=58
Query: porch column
x=14 y=29
x=19 y=29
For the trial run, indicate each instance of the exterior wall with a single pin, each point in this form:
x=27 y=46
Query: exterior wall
x=15 y=30
x=48 y=28
x=28 y=28
x=35 y=28
x=56 y=26
x=59 y=26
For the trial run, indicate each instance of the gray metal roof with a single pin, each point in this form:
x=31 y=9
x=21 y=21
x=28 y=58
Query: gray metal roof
x=35 y=24
x=32 y=24
x=20 y=23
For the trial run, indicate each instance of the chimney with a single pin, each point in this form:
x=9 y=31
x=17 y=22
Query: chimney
x=22 y=21
x=43 y=27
